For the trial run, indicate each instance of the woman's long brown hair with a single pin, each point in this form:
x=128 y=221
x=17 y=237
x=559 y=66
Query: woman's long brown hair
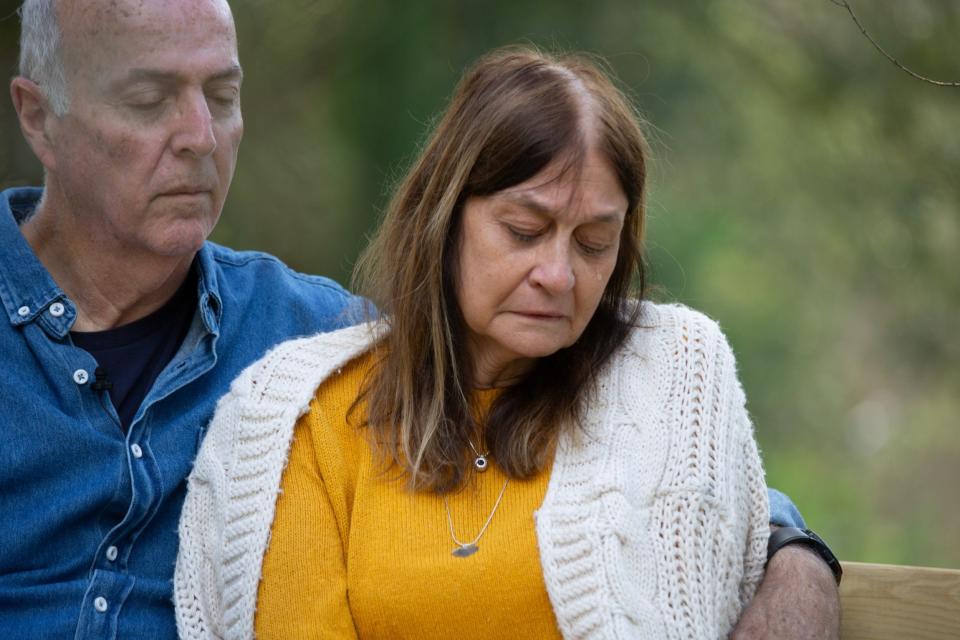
x=513 y=113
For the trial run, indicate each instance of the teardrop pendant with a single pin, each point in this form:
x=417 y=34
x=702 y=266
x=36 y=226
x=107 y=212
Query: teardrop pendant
x=465 y=551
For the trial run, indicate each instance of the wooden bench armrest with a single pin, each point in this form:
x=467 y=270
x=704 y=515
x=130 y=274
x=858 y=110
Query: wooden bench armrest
x=887 y=602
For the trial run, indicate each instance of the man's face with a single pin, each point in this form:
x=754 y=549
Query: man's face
x=146 y=152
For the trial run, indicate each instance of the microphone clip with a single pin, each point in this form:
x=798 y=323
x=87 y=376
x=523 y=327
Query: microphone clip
x=100 y=380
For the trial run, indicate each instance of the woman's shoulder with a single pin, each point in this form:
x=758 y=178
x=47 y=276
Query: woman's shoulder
x=292 y=370
x=676 y=332
x=670 y=345
x=335 y=415
x=675 y=320
x=278 y=388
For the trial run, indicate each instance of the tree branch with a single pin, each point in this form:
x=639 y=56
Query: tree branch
x=844 y=4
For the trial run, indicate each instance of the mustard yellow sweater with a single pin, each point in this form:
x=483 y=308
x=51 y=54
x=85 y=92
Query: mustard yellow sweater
x=353 y=554
x=654 y=523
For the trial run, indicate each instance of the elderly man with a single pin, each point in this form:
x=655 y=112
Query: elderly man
x=126 y=325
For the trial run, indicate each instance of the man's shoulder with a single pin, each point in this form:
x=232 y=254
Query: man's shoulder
x=239 y=267
x=257 y=287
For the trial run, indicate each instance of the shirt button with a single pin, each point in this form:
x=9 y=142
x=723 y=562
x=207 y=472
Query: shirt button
x=136 y=450
x=100 y=604
x=112 y=553
x=56 y=309
x=80 y=376
x=23 y=311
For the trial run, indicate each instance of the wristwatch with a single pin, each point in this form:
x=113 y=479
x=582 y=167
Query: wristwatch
x=792 y=535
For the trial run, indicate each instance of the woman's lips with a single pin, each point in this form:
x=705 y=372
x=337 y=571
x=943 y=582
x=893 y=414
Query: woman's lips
x=541 y=315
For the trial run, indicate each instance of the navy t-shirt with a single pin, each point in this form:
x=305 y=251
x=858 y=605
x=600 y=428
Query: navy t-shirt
x=131 y=356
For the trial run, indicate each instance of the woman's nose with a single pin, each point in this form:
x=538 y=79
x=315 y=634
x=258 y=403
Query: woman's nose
x=554 y=272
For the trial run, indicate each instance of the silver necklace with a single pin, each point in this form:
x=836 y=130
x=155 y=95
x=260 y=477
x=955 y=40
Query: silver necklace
x=466 y=549
x=480 y=461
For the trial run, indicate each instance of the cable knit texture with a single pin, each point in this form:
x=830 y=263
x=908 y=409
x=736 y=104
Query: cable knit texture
x=654 y=524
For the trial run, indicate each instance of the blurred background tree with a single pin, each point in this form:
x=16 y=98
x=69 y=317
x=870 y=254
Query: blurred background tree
x=805 y=193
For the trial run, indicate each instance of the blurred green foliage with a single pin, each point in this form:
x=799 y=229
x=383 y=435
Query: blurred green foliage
x=805 y=192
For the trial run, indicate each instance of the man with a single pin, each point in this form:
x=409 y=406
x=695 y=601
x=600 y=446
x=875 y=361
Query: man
x=125 y=325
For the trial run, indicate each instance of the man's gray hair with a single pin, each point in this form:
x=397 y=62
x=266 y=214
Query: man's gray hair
x=41 y=51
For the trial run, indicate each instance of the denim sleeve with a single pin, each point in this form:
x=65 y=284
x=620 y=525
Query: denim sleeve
x=783 y=513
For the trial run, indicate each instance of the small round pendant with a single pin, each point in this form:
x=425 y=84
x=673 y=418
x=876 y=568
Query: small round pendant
x=480 y=462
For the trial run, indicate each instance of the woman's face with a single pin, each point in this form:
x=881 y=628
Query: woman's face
x=535 y=260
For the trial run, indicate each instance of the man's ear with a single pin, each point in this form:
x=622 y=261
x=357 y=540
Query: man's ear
x=36 y=118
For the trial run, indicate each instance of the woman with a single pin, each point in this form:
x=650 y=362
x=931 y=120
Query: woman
x=514 y=449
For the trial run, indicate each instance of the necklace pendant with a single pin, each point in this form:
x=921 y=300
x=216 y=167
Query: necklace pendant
x=480 y=462
x=465 y=550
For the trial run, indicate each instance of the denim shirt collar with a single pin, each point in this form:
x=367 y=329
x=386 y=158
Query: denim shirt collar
x=26 y=288
x=208 y=289
x=28 y=291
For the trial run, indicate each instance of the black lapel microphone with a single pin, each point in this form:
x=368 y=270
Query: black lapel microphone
x=100 y=380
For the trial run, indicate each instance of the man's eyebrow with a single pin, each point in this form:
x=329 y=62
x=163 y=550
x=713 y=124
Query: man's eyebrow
x=233 y=72
x=531 y=203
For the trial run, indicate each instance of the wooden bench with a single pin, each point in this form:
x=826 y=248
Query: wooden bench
x=893 y=602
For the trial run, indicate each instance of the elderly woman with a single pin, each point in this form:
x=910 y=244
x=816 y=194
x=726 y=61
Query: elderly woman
x=515 y=448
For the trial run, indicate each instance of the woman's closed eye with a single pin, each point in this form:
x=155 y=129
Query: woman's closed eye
x=524 y=235
x=593 y=247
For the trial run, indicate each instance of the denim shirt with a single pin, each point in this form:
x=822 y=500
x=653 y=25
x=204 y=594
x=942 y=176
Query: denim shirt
x=89 y=536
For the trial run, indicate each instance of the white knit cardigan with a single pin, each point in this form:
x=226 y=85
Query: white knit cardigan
x=655 y=519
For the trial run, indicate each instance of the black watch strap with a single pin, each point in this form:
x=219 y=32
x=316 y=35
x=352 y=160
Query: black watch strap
x=792 y=535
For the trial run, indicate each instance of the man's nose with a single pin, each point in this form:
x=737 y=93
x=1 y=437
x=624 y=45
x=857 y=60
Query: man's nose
x=554 y=271
x=194 y=134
